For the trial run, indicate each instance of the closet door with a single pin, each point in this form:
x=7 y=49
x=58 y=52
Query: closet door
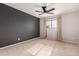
x=69 y=27
x=77 y=28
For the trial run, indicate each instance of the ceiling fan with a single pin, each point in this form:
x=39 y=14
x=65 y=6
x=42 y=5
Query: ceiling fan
x=44 y=10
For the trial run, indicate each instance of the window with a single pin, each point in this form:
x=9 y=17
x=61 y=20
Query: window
x=51 y=24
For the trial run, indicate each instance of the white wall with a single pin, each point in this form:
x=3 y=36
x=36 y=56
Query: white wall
x=70 y=27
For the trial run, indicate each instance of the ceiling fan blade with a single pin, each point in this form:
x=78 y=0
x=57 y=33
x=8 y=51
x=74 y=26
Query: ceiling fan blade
x=38 y=11
x=51 y=9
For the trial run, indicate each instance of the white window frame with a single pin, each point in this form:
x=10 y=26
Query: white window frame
x=51 y=22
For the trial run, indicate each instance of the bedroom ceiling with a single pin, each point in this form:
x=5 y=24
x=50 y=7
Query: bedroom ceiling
x=60 y=8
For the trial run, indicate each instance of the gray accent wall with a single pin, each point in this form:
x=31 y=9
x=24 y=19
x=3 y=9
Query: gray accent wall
x=16 y=24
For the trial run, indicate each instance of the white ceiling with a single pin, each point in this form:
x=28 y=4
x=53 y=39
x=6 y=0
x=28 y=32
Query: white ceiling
x=59 y=8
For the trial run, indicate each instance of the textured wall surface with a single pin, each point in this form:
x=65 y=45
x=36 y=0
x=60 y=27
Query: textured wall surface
x=16 y=24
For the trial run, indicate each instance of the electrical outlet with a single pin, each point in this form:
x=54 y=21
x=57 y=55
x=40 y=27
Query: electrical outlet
x=18 y=38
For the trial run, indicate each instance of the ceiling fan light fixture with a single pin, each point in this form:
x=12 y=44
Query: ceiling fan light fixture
x=44 y=10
